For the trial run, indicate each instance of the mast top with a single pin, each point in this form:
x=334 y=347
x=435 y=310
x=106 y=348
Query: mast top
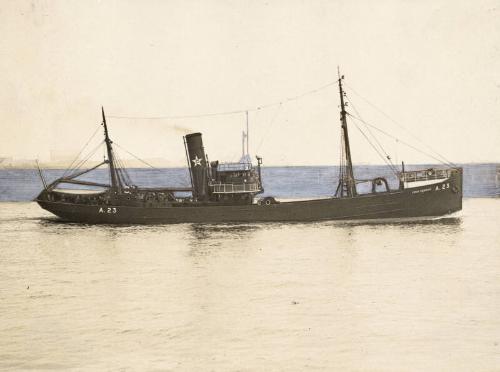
x=341 y=77
x=106 y=135
x=115 y=179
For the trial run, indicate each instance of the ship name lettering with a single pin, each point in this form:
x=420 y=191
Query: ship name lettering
x=421 y=190
x=109 y=210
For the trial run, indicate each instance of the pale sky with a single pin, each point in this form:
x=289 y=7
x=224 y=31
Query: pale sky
x=433 y=66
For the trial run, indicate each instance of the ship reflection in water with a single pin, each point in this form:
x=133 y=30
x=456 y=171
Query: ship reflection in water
x=226 y=231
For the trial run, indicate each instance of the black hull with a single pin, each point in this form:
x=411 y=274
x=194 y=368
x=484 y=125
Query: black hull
x=425 y=201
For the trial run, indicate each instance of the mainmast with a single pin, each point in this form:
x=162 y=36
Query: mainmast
x=115 y=181
x=247 y=134
x=347 y=183
x=245 y=153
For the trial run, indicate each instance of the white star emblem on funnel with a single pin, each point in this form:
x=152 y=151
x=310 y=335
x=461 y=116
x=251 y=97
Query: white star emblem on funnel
x=196 y=161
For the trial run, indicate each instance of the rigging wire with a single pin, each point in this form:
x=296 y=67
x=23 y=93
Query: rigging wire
x=271 y=124
x=88 y=156
x=233 y=112
x=395 y=171
x=443 y=159
x=137 y=158
x=395 y=138
x=84 y=160
x=125 y=173
x=387 y=158
x=280 y=104
x=109 y=177
x=69 y=169
x=121 y=171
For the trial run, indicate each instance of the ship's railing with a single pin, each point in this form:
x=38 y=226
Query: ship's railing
x=425 y=175
x=231 y=188
x=234 y=167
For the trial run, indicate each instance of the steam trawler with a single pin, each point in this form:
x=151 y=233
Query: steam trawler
x=227 y=192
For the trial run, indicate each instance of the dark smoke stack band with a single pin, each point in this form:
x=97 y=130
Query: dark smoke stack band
x=198 y=164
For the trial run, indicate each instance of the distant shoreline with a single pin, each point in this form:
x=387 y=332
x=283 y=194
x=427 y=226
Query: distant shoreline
x=265 y=166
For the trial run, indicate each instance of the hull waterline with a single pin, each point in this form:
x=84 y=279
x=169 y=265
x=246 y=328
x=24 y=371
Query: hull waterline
x=427 y=201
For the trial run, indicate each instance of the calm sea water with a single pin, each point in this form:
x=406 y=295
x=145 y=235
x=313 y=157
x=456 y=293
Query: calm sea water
x=480 y=180
x=250 y=297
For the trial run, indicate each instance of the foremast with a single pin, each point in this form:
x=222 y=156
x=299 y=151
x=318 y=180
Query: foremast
x=347 y=183
x=116 y=185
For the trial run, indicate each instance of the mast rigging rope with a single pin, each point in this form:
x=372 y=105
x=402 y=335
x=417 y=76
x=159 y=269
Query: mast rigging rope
x=233 y=112
x=137 y=158
x=443 y=159
x=84 y=160
x=69 y=169
x=387 y=158
x=390 y=165
x=399 y=140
